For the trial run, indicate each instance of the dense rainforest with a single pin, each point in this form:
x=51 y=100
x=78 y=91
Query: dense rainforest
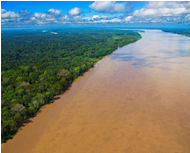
x=36 y=65
x=185 y=32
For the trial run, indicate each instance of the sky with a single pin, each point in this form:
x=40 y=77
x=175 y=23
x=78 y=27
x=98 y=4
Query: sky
x=29 y=14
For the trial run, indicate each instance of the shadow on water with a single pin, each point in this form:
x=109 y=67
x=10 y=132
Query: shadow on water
x=28 y=121
x=175 y=53
x=56 y=98
x=122 y=56
x=137 y=62
x=163 y=56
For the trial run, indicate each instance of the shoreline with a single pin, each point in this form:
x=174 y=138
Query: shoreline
x=28 y=120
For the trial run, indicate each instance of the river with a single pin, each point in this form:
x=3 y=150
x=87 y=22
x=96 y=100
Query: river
x=135 y=100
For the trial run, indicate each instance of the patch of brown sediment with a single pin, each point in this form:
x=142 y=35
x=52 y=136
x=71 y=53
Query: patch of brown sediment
x=133 y=103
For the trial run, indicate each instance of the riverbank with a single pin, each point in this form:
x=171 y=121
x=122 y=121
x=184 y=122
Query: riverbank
x=46 y=65
x=185 y=32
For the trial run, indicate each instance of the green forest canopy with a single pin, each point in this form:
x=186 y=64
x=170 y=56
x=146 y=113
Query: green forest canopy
x=36 y=66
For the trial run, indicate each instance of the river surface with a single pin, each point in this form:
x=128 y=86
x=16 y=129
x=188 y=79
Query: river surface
x=136 y=100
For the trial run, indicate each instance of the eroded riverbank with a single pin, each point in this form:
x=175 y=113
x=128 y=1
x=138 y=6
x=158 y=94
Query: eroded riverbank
x=135 y=100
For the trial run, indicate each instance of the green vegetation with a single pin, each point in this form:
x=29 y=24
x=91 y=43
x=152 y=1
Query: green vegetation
x=38 y=65
x=185 y=32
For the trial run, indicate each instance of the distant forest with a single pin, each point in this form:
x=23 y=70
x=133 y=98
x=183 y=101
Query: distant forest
x=185 y=32
x=37 y=65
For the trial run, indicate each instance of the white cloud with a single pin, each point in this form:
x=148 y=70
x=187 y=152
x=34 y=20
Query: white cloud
x=66 y=16
x=9 y=14
x=51 y=16
x=32 y=18
x=24 y=12
x=50 y=19
x=41 y=22
x=127 y=19
x=86 y=18
x=158 y=9
x=96 y=17
x=75 y=11
x=3 y=11
x=115 y=20
x=37 y=15
x=43 y=16
x=100 y=18
x=108 y=6
x=7 y=20
x=54 y=11
x=77 y=18
x=106 y=21
x=187 y=17
x=105 y=17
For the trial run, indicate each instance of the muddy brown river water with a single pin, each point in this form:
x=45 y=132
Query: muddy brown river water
x=136 y=100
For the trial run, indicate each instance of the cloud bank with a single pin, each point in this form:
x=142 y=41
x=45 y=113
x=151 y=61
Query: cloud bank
x=158 y=9
x=153 y=13
x=108 y=6
x=8 y=14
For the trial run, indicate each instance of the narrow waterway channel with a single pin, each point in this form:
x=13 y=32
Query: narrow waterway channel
x=135 y=100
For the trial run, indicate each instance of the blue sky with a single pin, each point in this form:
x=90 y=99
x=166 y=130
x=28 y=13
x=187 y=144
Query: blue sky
x=27 y=14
